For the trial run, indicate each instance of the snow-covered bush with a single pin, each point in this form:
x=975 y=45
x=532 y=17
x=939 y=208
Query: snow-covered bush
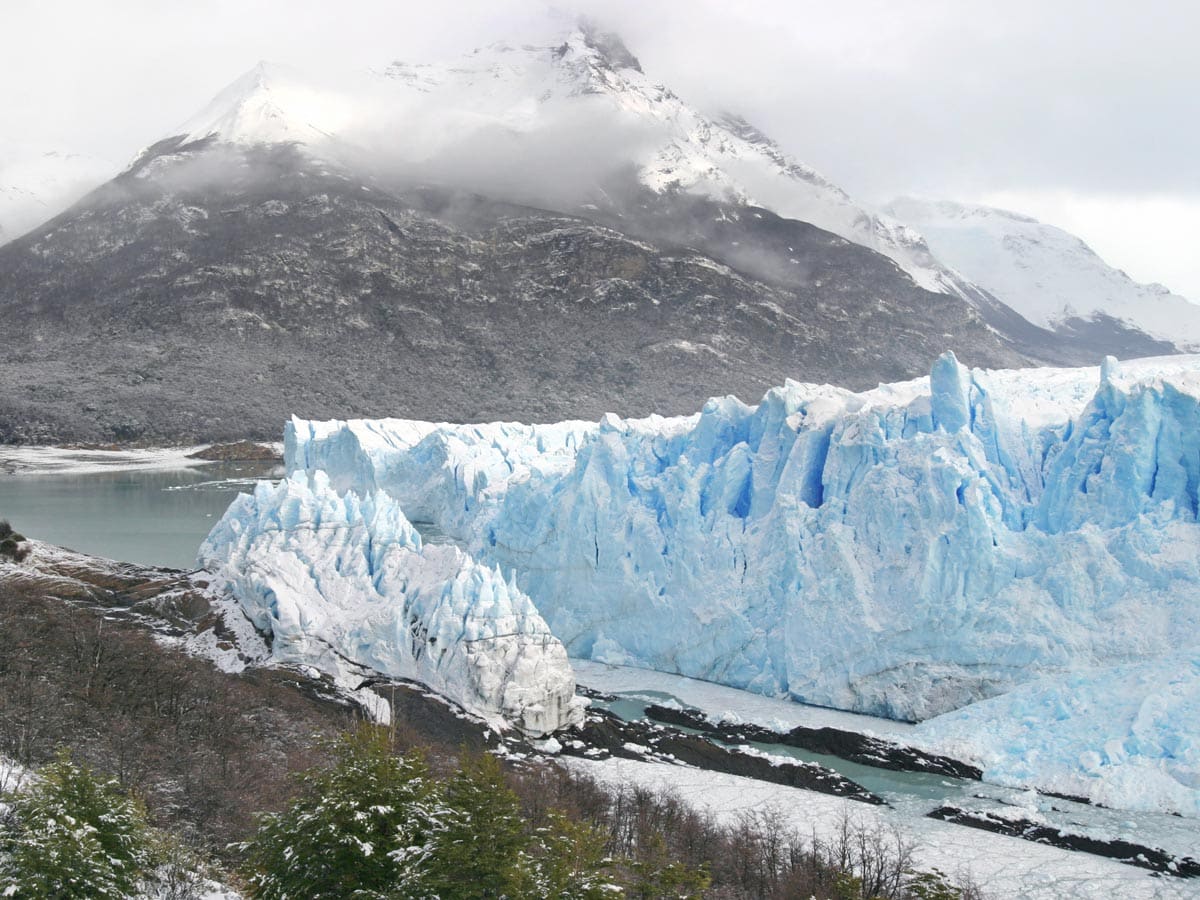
x=377 y=825
x=72 y=834
x=360 y=828
x=12 y=544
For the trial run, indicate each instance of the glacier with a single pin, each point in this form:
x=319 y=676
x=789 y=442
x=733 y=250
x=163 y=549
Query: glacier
x=1123 y=736
x=905 y=552
x=345 y=582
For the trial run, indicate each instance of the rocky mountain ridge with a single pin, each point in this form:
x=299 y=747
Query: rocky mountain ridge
x=555 y=237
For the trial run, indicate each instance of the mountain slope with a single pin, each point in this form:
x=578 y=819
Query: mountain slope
x=536 y=233
x=215 y=290
x=35 y=187
x=513 y=121
x=1048 y=275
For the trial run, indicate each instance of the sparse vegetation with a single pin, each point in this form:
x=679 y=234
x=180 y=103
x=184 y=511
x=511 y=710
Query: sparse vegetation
x=205 y=749
x=12 y=545
x=661 y=843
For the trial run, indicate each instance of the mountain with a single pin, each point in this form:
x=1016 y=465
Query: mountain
x=535 y=232
x=35 y=187
x=1051 y=277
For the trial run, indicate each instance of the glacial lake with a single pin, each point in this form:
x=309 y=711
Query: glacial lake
x=151 y=516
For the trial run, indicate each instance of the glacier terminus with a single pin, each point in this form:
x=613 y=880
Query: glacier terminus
x=1008 y=557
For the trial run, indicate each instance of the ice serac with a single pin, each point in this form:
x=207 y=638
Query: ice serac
x=341 y=580
x=906 y=551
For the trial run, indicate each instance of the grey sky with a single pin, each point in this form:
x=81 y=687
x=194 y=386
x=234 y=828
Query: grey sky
x=1086 y=114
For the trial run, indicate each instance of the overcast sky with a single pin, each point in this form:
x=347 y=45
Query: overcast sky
x=1084 y=114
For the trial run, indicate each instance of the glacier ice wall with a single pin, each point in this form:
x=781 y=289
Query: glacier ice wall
x=339 y=579
x=902 y=552
x=906 y=551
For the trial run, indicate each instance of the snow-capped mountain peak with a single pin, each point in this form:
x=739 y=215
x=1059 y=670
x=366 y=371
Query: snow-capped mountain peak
x=272 y=104
x=1049 y=276
x=580 y=105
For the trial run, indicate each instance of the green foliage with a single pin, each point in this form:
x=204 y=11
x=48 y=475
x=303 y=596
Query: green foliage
x=378 y=826
x=565 y=861
x=478 y=850
x=934 y=885
x=72 y=834
x=361 y=828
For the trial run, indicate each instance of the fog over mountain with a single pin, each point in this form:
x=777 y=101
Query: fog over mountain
x=268 y=258
x=1083 y=111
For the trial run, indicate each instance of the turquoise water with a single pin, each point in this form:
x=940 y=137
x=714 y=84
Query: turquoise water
x=150 y=516
x=914 y=794
x=891 y=785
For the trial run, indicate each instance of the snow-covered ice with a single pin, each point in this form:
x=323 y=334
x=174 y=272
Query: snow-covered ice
x=1124 y=736
x=32 y=460
x=339 y=580
x=1004 y=867
x=723 y=703
x=904 y=552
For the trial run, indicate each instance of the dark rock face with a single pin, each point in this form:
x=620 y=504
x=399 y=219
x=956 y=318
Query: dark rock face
x=211 y=292
x=603 y=735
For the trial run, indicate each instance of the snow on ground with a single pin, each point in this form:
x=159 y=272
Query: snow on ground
x=74 y=461
x=12 y=775
x=1003 y=867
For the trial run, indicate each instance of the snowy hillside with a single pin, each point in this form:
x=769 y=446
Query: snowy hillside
x=1046 y=274
x=907 y=551
x=544 y=123
x=34 y=188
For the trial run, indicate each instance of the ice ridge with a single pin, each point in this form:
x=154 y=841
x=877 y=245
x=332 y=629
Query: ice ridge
x=342 y=581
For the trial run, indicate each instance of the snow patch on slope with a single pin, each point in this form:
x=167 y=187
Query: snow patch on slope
x=1044 y=273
